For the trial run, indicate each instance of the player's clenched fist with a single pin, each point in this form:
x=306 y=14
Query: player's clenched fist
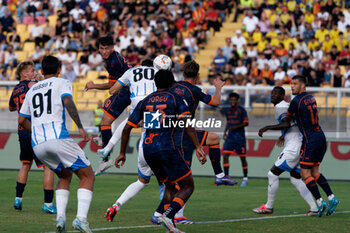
x=89 y=85
x=202 y=158
x=121 y=158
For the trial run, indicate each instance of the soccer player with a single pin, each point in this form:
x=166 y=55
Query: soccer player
x=45 y=105
x=26 y=72
x=303 y=109
x=116 y=65
x=160 y=152
x=235 y=142
x=288 y=160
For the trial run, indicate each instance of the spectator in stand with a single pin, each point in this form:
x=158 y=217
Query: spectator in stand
x=76 y=11
x=337 y=79
x=227 y=49
x=83 y=63
x=266 y=75
x=241 y=69
x=37 y=57
x=239 y=40
x=70 y=74
x=243 y=6
x=95 y=61
x=279 y=76
x=4 y=76
x=7 y=21
x=250 y=21
x=313 y=80
x=10 y=59
x=220 y=60
x=191 y=43
x=36 y=33
x=45 y=8
x=15 y=39
x=274 y=63
x=211 y=17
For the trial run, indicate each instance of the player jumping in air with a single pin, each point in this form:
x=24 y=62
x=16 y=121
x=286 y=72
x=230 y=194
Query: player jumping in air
x=45 y=105
x=303 y=109
x=235 y=142
x=160 y=152
x=26 y=72
x=116 y=65
x=288 y=160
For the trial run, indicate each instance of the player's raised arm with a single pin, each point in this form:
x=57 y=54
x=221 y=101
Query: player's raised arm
x=218 y=83
x=103 y=86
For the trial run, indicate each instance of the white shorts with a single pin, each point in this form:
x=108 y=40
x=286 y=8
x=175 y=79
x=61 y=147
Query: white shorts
x=289 y=158
x=134 y=102
x=143 y=169
x=59 y=153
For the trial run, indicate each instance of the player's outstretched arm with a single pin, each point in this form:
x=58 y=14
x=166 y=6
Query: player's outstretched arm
x=125 y=139
x=116 y=88
x=103 y=86
x=202 y=158
x=73 y=112
x=218 y=83
x=285 y=124
x=25 y=123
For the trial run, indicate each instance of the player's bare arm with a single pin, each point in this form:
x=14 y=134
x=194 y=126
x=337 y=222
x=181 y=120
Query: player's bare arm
x=125 y=139
x=25 y=123
x=285 y=124
x=225 y=131
x=218 y=83
x=116 y=88
x=73 y=112
x=199 y=152
x=103 y=86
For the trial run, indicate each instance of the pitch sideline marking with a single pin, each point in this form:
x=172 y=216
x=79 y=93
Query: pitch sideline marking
x=207 y=222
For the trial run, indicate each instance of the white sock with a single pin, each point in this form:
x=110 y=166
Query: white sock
x=272 y=189
x=117 y=135
x=62 y=196
x=48 y=204
x=130 y=192
x=304 y=192
x=157 y=214
x=180 y=213
x=220 y=175
x=19 y=198
x=84 y=200
x=245 y=178
x=330 y=197
x=319 y=201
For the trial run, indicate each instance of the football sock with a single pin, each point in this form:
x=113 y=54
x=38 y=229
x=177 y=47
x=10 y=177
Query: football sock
x=48 y=195
x=130 y=192
x=180 y=213
x=106 y=133
x=322 y=181
x=226 y=168
x=160 y=208
x=304 y=192
x=62 y=196
x=245 y=171
x=84 y=200
x=20 y=189
x=319 y=201
x=174 y=207
x=272 y=189
x=220 y=175
x=215 y=156
x=312 y=186
x=117 y=135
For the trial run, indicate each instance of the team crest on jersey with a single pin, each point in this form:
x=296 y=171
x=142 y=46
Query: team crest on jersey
x=152 y=120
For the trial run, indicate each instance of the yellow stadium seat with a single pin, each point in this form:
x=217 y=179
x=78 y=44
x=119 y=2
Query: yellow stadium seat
x=52 y=20
x=21 y=28
x=22 y=56
x=29 y=47
x=91 y=75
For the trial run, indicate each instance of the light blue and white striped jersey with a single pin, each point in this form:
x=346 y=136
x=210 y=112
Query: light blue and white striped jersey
x=44 y=105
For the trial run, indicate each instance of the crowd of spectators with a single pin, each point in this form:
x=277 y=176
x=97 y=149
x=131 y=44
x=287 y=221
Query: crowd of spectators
x=142 y=29
x=280 y=39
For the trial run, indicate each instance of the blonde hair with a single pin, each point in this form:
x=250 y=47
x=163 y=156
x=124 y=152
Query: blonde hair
x=22 y=66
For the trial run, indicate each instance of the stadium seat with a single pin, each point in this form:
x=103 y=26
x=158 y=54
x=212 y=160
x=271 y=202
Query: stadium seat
x=29 y=47
x=52 y=20
x=21 y=56
x=21 y=28
x=91 y=75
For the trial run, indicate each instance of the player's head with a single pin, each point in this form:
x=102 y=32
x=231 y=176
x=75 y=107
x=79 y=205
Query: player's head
x=26 y=70
x=164 y=79
x=277 y=95
x=233 y=99
x=298 y=84
x=191 y=70
x=147 y=62
x=51 y=66
x=106 y=46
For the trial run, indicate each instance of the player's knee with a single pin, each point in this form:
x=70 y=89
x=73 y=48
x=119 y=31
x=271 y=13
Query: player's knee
x=212 y=139
x=271 y=175
x=315 y=173
x=295 y=174
x=143 y=181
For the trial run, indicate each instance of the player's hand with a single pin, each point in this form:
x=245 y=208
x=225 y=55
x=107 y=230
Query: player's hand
x=140 y=124
x=280 y=141
x=85 y=135
x=218 y=83
x=202 y=157
x=89 y=85
x=121 y=158
x=262 y=131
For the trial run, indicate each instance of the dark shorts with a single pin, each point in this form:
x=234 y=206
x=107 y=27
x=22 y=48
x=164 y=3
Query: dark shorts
x=116 y=104
x=168 y=165
x=236 y=147
x=312 y=153
x=27 y=154
x=187 y=150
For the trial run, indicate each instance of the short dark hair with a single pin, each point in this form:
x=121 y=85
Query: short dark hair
x=280 y=90
x=147 y=62
x=50 y=65
x=234 y=94
x=301 y=78
x=164 y=79
x=191 y=69
x=106 y=41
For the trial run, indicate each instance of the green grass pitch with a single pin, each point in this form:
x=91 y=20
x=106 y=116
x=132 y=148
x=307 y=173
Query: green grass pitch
x=208 y=203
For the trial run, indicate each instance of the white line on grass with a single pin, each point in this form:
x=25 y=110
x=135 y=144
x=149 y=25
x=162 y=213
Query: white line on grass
x=208 y=222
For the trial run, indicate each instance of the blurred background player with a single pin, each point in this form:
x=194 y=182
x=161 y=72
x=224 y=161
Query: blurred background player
x=27 y=76
x=235 y=142
x=160 y=152
x=45 y=104
x=288 y=160
x=116 y=65
x=98 y=113
x=303 y=109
